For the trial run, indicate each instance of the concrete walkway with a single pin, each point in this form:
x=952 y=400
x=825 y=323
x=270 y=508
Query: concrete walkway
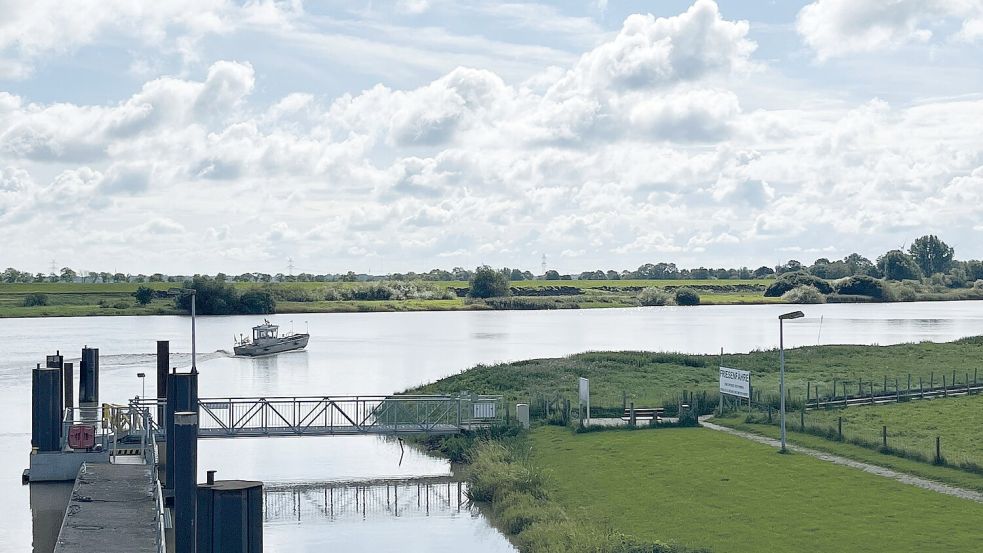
x=866 y=467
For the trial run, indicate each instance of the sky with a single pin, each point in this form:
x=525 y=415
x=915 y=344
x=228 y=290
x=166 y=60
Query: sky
x=198 y=136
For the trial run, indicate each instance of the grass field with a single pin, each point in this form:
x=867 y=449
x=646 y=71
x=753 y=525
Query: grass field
x=945 y=474
x=650 y=379
x=913 y=426
x=707 y=489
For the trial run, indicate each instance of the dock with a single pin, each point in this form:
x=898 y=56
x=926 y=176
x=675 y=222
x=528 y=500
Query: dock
x=113 y=508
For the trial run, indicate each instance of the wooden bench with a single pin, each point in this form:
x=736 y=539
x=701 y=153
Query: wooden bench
x=644 y=413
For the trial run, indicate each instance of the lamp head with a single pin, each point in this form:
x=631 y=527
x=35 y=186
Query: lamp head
x=792 y=315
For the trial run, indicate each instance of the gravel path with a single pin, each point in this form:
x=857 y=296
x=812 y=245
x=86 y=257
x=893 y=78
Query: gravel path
x=873 y=469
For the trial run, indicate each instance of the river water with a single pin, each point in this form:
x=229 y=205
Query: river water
x=380 y=353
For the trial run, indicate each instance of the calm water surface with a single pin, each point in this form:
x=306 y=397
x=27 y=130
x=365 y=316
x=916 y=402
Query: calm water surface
x=378 y=353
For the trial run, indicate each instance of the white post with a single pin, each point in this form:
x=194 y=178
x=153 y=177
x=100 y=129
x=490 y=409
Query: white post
x=781 y=385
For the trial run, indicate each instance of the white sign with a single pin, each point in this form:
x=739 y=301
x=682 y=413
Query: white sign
x=585 y=396
x=735 y=382
x=484 y=410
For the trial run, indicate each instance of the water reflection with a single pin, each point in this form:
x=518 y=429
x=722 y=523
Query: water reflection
x=48 y=501
x=331 y=501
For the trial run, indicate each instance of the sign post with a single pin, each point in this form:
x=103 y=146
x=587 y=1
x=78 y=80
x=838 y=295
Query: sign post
x=735 y=382
x=585 y=396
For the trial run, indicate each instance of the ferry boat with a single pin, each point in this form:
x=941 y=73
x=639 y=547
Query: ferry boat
x=266 y=341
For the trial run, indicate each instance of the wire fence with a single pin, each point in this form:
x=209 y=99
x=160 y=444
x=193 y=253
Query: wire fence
x=910 y=441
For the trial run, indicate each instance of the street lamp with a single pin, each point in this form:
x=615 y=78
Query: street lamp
x=143 y=385
x=193 y=293
x=781 y=347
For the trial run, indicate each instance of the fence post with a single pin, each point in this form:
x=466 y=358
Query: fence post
x=839 y=428
x=885 y=384
x=908 y=392
x=921 y=388
x=631 y=416
x=945 y=388
x=769 y=414
x=884 y=433
x=802 y=419
x=931 y=383
x=938 y=450
x=808 y=389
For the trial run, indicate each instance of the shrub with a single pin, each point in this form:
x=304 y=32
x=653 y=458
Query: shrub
x=121 y=304
x=488 y=283
x=144 y=294
x=978 y=285
x=35 y=300
x=863 y=285
x=905 y=291
x=790 y=281
x=257 y=302
x=687 y=296
x=804 y=294
x=654 y=295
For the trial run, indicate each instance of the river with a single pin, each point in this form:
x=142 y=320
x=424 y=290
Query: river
x=380 y=353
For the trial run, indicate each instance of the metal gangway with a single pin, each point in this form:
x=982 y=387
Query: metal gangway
x=346 y=415
x=426 y=496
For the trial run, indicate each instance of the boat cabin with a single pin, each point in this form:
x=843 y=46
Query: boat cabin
x=265 y=331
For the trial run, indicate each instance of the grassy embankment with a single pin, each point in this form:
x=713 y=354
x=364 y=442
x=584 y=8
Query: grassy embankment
x=706 y=489
x=74 y=299
x=652 y=379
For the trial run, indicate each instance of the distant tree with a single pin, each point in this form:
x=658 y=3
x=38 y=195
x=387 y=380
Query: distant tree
x=974 y=269
x=612 y=275
x=859 y=265
x=119 y=277
x=762 y=272
x=221 y=277
x=789 y=267
x=552 y=275
x=931 y=254
x=897 y=265
x=144 y=295
x=156 y=277
x=212 y=297
x=461 y=273
x=264 y=277
x=40 y=277
x=257 y=302
x=140 y=278
x=350 y=276
x=105 y=277
x=488 y=283
x=516 y=274
x=863 y=285
x=67 y=275
x=790 y=281
x=10 y=275
x=824 y=268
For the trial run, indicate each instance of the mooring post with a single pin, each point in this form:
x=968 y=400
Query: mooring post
x=46 y=396
x=230 y=516
x=185 y=476
x=163 y=362
x=68 y=376
x=89 y=377
x=182 y=396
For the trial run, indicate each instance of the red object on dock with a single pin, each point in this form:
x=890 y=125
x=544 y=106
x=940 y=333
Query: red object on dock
x=81 y=436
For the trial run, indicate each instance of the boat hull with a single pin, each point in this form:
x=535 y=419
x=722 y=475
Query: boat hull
x=280 y=345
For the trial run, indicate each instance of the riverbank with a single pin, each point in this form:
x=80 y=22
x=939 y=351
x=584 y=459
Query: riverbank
x=88 y=299
x=651 y=379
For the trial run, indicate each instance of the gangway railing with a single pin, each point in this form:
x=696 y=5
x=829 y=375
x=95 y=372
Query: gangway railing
x=345 y=415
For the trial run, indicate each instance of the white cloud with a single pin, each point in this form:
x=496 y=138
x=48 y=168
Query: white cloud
x=834 y=28
x=640 y=151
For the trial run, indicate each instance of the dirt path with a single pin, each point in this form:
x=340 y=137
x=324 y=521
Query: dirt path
x=866 y=467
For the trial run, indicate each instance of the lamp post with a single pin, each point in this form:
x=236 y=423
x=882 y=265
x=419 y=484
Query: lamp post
x=781 y=378
x=143 y=384
x=193 y=293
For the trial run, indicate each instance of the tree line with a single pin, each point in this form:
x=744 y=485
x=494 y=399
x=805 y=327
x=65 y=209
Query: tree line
x=928 y=257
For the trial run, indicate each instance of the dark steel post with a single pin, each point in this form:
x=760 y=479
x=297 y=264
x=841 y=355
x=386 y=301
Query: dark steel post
x=89 y=378
x=68 y=375
x=182 y=396
x=163 y=362
x=185 y=477
x=230 y=517
x=46 y=408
